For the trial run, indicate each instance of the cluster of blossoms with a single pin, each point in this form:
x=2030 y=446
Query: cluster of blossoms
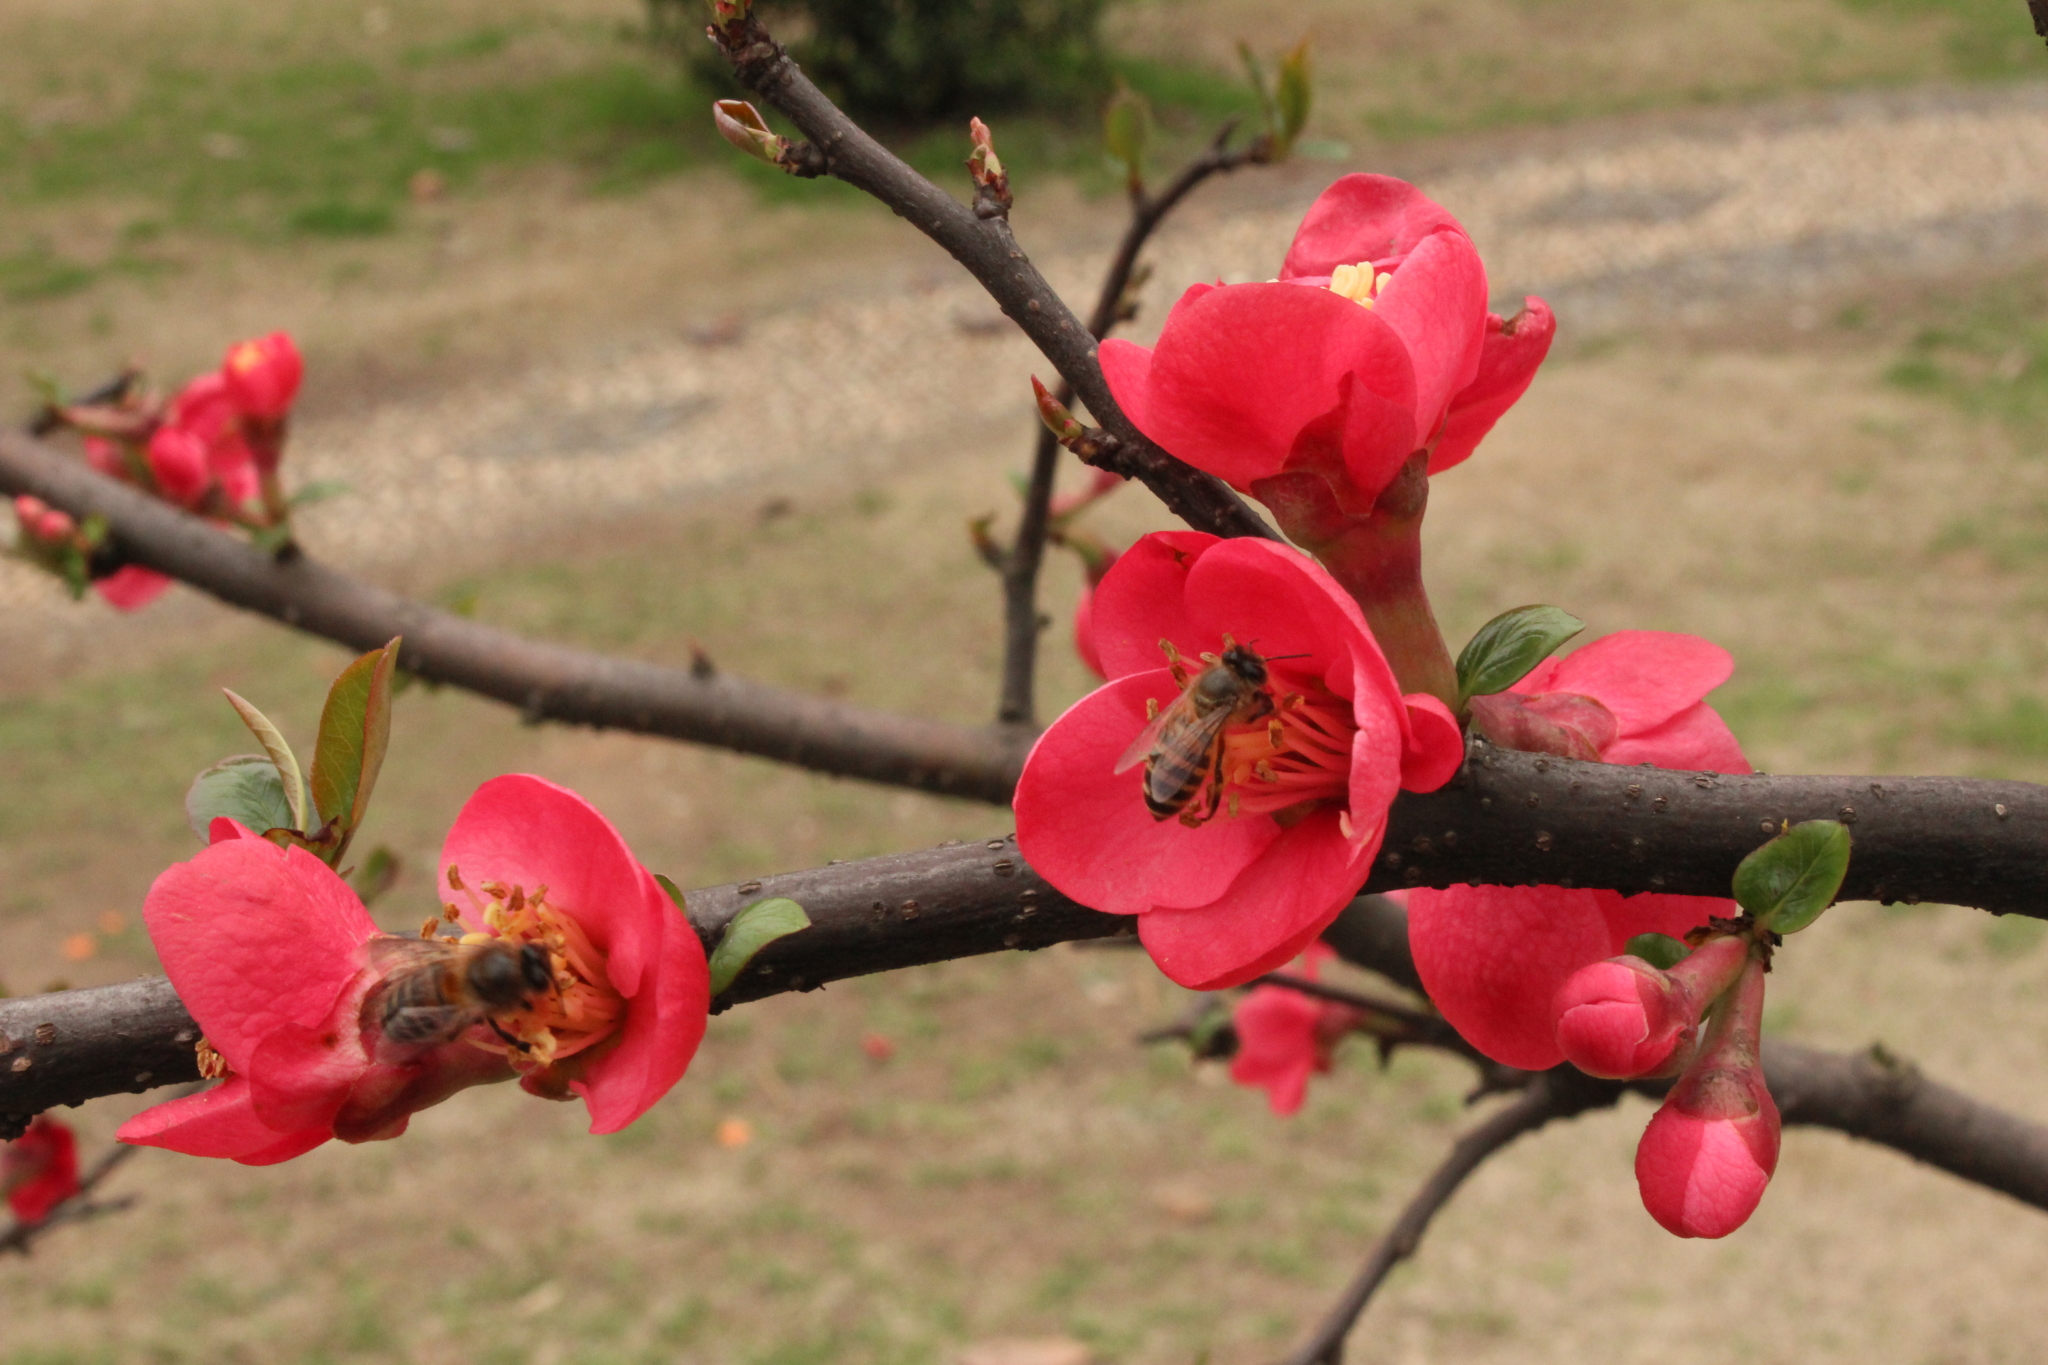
x=212 y=448
x=1332 y=394
x=324 y=1027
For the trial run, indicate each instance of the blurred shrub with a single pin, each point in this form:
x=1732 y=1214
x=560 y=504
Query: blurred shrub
x=915 y=60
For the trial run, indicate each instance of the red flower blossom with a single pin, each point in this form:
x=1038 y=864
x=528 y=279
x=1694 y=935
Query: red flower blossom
x=1493 y=957
x=1284 y=1037
x=131 y=587
x=207 y=410
x=39 y=1169
x=263 y=375
x=267 y=948
x=1709 y=1152
x=179 y=461
x=51 y=533
x=1305 y=790
x=1390 y=350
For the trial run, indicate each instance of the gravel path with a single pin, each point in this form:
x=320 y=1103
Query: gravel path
x=1772 y=209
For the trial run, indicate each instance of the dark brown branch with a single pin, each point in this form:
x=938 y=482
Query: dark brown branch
x=989 y=252
x=546 y=682
x=1517 y=819
x=1553 y=1095
x=1026 y=556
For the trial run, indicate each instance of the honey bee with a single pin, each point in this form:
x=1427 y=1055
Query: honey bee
x=434 y=988
x=1182 y=748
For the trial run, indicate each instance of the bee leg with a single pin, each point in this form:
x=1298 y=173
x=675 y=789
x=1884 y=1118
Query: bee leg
x=522 y=1046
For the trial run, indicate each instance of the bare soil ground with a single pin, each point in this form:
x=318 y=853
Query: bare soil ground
x=1796 y=408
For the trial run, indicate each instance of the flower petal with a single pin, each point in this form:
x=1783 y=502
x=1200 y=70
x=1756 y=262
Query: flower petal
x=1239 y=373
x=664 y=1024
x=1645 y=677
x=1437 y=303
x=1493 y=957
x=220 y=1122
x=1085 y=827
x=1507 y=363
x=1141 y=600
x=526 y=831
x=256 y=938
x=1362 y=218
x=1695 y=738
x=1269 y=913
x=131 y=587
x=1435 y=748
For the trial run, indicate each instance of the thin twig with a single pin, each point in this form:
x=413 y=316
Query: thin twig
x=1547 y=1098
x=985 y=246
x=1026 y=556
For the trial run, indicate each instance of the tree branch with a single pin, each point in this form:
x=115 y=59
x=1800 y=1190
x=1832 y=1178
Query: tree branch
x=1553 y=1095
x=985 y=246
x=1027 y=553
x=546 y=682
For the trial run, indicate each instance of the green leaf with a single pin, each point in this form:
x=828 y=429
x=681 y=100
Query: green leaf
x=245 y=788
x=1659 y=950
x=355 y=727
x=320 y=490
x=281 y=756
x=1293 y=96
x=1791 y=879
x=751 y=930
x=1507 y=647
x=1257 y=75
x=675 y=893
x=1127 y=129
x=377 y=874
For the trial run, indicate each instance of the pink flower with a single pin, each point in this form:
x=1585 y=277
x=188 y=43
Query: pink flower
x=178 y=460
x=263 y=375
x=1374 y=343
x=270 y=950
x=1305 y=789
x=1707 y=1155
x=205 y=408
x=131 y=587
x=1493 y=957
x=39 y=1169
x=106 y=456
x=1623 y=1018
x=1284 y=1037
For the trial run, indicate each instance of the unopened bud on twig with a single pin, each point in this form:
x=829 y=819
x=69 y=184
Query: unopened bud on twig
x=741 y=124
x=729 y=11
x=1051 y=411
x=991 y=181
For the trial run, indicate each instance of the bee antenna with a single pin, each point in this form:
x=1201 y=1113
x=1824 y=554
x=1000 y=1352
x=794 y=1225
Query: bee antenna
x=1303 y=655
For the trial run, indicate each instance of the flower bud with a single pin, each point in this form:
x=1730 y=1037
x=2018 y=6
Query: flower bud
x=178 y=460
x=105 y=456
x=741 y=124
x=41 y=522
x=1060 y=422
x=263 y=375
x=1624 y=1018
x=1561 y=723
x=1707 y=1155
x=982 y=163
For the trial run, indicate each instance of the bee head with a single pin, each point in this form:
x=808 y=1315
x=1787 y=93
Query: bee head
x=534 y=968
x=507 y=980
x=1245 y=662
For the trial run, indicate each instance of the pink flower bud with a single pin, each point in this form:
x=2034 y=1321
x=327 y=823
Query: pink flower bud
x=1709 y=1152
x=263 y=375
x=1623 y=1018
x=178 y=459
x=42 y=522
x=1561 y=723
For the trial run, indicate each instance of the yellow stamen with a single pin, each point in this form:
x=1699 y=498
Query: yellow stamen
x=1360 y=283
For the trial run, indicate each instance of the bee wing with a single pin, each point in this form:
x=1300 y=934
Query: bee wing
x=1148 y=738
x=414 y=1027
x=389 y=953
x=1183 y=762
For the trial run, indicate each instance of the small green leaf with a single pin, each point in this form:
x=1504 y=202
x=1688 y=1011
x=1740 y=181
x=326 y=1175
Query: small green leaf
x=1293 y=96
x=281 y=756
x=1659 y=950
x=1791 y=879
x=377 y=874
x=751 y=930
x=355 y=727
x=675 y=893
x=1126 y=131
x=1256 y=74
x=320 y=490
x=245 y=788
x=1507 y=647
